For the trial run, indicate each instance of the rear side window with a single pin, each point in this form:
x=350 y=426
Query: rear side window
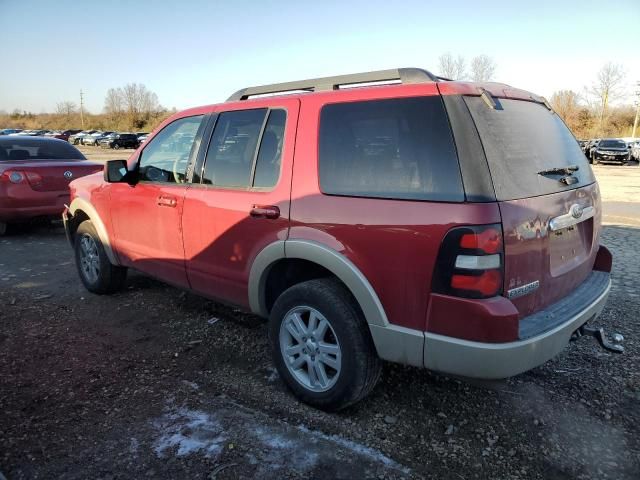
x=522 y=138
x=246 y=149
x=232 y=148
x=399 y=148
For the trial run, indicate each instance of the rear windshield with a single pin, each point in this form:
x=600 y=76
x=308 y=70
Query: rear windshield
x=612 y=144
x=523 y=138
x=399 y=148
x=25 y=148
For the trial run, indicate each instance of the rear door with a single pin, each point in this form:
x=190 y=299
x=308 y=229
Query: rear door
x=551 y=217
x=238 y=202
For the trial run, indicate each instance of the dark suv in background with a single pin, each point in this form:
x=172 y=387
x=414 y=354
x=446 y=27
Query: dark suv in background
x=611 y=150
x=120 y=140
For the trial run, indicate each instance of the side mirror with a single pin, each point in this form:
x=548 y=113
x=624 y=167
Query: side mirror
x=115 y=171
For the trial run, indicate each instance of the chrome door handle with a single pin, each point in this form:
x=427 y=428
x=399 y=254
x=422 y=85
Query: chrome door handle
x=167 y=201
x=265 y=211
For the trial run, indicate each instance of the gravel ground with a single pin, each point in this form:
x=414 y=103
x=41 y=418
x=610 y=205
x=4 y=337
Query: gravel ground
x=154 y=382
x=157 y=382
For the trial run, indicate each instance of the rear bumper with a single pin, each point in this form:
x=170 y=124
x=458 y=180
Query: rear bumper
x=19 y=202
x=501 y=360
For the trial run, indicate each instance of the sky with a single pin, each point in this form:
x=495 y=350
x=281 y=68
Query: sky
x=199 y=52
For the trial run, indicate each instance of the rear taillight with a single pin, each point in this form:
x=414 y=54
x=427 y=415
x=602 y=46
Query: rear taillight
x=17 y=177
x=470 y=262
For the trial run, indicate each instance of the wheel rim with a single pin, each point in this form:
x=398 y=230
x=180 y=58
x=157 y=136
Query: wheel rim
x=310 y=348
x=89 y=259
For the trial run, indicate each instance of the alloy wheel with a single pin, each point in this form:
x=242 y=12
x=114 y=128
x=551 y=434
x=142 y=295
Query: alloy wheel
x=89 y=258
x=310 y=348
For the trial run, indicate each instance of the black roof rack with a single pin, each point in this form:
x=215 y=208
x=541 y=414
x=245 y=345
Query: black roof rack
x=404 y=75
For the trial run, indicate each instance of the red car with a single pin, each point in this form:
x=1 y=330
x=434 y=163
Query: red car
x=34 y=177
x=447 y=225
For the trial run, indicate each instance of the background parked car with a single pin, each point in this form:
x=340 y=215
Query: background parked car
x=77 y=138
x=64 y=135
x=120 y=140
x=611 y=150
x=10 y=131
x=94 y=138
x=34 y=177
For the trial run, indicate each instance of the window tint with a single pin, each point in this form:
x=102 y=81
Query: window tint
x=399 y=148
x=270 y=154
x=166 y=157
x=523 y=138
x=25 y=148
x=232 y=149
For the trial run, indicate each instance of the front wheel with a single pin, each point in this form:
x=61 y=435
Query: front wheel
x=97 y=273
x=116 y=146
x=321 y=345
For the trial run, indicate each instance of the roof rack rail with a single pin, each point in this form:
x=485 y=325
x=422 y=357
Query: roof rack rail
x=405 y=75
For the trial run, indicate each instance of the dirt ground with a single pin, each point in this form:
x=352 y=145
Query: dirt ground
x=154 y=382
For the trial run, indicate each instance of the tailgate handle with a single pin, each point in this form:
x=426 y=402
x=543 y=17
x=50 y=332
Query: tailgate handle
x=165 y=201
x=576 y=214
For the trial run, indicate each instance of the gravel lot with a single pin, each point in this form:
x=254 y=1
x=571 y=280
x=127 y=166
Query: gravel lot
x=154 y=382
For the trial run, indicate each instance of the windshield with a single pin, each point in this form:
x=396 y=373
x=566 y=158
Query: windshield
x=521 y=139
x=25 y=148
x=612 y=144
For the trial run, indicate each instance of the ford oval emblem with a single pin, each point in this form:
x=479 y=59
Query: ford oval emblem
x=68 y=175
x=576 y=211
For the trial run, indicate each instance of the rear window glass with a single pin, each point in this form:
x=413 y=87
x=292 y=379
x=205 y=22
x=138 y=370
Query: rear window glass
x=523 y=138
x=398 y=148
x=16 y=148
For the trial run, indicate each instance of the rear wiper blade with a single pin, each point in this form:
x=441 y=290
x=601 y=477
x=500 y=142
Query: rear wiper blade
x=568 y=170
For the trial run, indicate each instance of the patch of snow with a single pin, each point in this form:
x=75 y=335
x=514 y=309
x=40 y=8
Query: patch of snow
x=357 y=448
x=189 y=431
x=273 y=375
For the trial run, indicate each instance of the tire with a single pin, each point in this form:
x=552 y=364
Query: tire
x=3 y=229
x=97 y=273
x=116 y=146
x=351 y=370
x=595 y=161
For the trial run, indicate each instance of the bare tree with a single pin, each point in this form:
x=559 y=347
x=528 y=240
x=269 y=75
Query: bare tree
x=483 y=68
x=113 y=104
x=133 y=101
x=452 y=68
x=566 y=104
x=66 y=108
x=607 y=88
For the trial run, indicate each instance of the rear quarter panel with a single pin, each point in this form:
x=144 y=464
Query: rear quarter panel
x=394 y=243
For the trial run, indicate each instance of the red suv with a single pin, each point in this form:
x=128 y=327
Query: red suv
x=447 y=225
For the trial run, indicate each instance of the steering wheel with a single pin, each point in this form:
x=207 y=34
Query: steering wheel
x=181 y=159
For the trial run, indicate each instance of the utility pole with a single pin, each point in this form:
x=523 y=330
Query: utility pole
x=635 y=121
x=81 y=109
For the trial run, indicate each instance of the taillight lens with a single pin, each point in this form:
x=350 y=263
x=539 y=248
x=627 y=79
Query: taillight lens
x=470 y=262
x=17 y=177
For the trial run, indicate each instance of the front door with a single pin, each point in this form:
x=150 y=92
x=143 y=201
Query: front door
x=239 y=200
x=147 y=216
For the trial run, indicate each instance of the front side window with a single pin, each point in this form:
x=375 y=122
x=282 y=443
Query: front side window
x=166 y=156
x=398 y=148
